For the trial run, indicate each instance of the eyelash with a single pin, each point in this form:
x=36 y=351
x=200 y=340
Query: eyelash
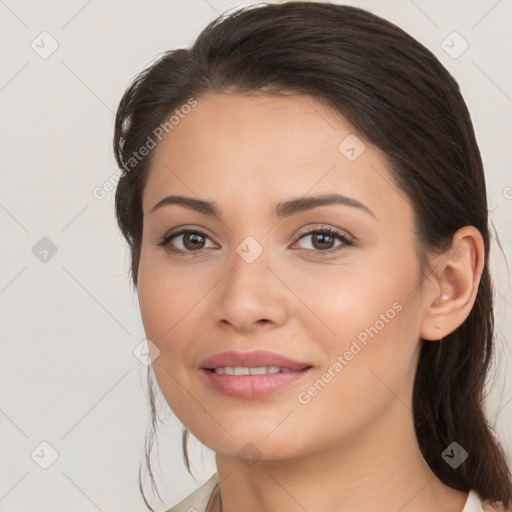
x=346 y=241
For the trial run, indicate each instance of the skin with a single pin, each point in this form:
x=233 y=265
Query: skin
x=353 y=446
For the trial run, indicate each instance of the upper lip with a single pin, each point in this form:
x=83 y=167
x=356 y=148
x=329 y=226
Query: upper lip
x=254 y=359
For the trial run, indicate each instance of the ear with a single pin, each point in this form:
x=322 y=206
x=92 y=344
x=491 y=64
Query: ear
x=451 y=289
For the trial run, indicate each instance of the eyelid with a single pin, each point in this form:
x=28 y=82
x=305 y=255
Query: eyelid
x=324 y=227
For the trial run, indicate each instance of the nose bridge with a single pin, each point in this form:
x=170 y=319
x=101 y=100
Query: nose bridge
x=249 y=268
x=250 y=291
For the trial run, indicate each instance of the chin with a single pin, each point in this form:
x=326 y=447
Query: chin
x=253 y=441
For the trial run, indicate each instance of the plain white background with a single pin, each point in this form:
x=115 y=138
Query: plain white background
x=69 y=324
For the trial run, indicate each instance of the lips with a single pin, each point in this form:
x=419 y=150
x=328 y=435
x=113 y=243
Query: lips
x=255 y=359
x=230 y=374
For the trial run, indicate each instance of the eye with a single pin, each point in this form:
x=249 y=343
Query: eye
x=322 y=240
x=192 y=241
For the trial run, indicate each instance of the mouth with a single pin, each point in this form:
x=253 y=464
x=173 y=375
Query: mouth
x=252 y=375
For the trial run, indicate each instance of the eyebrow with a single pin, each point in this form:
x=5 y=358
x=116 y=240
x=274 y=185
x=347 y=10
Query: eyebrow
x=281 y=210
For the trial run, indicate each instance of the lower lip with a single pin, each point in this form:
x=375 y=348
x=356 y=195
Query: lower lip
x=252 y=387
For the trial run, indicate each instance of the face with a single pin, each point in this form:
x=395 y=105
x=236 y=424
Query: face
x=334 y=287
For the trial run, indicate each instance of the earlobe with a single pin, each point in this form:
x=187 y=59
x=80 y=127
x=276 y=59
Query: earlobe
x=455 y=280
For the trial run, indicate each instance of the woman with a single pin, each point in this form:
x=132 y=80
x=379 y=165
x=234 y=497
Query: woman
x=305 y=205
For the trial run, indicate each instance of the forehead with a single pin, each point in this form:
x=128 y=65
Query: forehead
x=258 y=150
x=250 y=122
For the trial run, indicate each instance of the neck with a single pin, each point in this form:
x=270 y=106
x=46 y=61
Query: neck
x=379 y=469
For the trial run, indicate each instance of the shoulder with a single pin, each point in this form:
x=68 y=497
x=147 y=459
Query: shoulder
x=198 y=499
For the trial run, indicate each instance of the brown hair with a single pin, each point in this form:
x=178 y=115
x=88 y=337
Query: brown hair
x=397 y=94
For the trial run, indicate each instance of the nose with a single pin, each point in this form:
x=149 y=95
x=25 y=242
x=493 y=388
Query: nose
x=251 y=296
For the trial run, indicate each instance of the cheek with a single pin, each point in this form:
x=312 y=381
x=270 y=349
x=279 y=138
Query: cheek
x=340 y=302
x=371 y=325
x=155 y=304
x=167 y=296
x=163 y=310
x=360 y=382
x=169 y=302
